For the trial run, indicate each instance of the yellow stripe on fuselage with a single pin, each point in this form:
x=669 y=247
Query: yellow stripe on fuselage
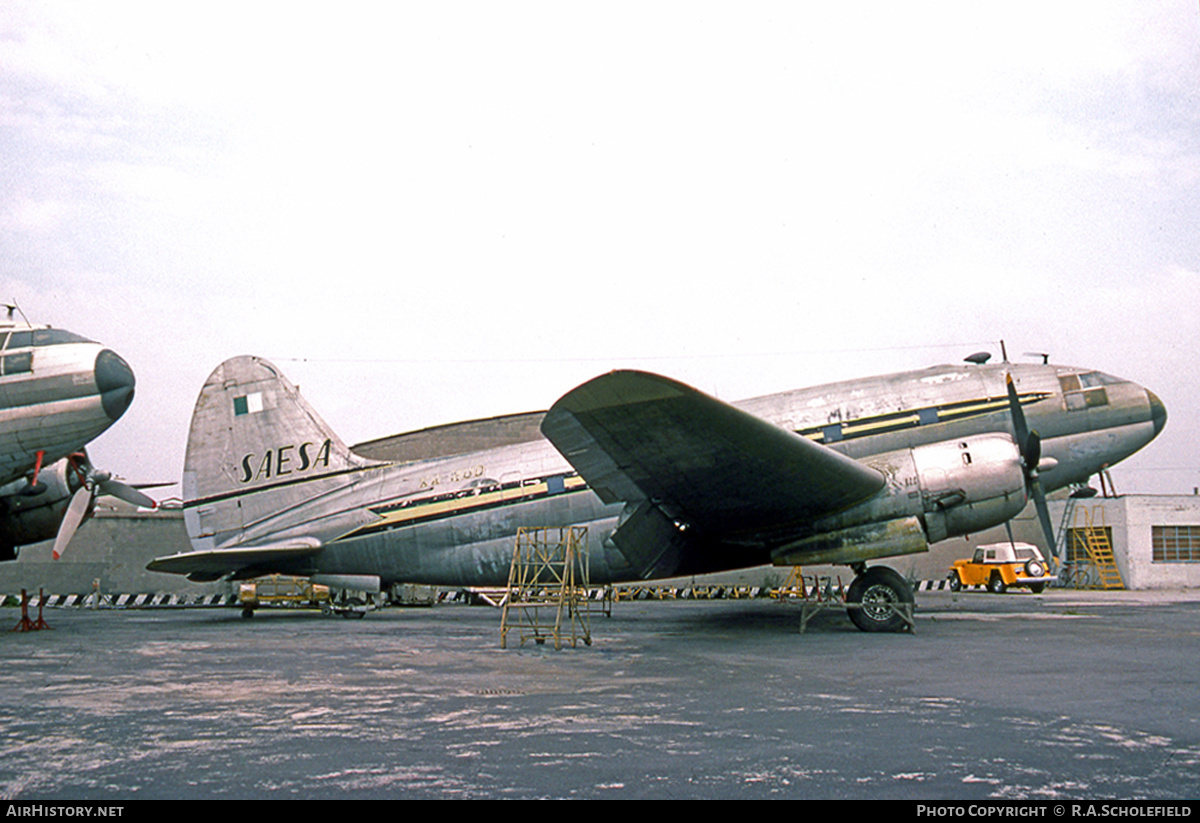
x=462 y=502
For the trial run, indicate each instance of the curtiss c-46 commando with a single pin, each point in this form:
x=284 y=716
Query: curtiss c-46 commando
x=668 y=480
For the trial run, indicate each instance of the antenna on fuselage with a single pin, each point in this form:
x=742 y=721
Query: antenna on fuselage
x=13 y=307
x=1044 y=355
x=1003 y=353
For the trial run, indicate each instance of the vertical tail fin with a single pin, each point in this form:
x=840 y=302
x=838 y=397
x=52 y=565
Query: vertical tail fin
x=256 y=450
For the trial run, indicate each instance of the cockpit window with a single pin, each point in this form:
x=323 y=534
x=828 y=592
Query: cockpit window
x=40 y=337
x=1085 y=391
x=56 y=337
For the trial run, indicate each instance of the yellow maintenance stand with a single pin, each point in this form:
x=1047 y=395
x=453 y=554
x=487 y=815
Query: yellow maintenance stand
x=548 y=582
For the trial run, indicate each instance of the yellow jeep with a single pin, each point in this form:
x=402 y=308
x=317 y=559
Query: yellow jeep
x=1001 y=565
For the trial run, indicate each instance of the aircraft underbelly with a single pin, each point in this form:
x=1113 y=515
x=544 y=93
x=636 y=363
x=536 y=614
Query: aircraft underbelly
x=473 y=549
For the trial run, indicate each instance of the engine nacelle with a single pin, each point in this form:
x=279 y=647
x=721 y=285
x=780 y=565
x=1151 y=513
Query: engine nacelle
x=933 y=492
x=970 y=484
x=31 y=516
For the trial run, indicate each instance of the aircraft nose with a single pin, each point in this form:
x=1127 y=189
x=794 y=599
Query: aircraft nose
x=1158 y=412
x=114 y=380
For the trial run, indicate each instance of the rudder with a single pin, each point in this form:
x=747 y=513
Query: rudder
x=255 y=450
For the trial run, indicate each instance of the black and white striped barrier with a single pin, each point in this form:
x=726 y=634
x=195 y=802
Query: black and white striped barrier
x=469 y=596
x=121 y=601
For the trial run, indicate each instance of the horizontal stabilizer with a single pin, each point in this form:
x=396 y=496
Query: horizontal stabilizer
x=217 y=563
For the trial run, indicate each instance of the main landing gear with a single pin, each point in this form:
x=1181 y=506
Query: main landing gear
x=880 y=600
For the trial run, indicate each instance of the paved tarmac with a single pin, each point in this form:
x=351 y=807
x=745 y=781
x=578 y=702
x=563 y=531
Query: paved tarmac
x=1018 y=696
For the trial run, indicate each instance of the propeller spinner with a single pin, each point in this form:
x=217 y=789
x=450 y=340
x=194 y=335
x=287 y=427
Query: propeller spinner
x=92 y=484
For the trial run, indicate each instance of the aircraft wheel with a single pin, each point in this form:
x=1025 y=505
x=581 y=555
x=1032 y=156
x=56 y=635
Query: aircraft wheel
x=247 y=612
x=875 y=588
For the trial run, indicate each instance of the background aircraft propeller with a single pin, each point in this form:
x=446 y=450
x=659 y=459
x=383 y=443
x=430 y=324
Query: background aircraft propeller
x=92 y=484
x=1030 y=445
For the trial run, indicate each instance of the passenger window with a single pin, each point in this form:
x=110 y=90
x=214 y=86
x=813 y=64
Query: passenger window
x=20 y=363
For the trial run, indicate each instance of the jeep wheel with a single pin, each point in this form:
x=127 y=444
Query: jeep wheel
x=955 y=582
x=996 y=584
x=1037 y=588
x=877 y=589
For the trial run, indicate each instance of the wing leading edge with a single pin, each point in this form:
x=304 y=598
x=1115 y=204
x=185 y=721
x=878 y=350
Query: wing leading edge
x=639 y=437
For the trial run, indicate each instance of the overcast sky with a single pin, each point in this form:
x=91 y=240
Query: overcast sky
x=427 y=212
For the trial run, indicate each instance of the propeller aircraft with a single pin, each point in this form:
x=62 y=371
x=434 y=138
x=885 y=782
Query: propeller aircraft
x=668 y=480
x=58 y=392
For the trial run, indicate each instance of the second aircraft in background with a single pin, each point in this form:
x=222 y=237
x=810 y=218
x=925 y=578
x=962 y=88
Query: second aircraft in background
x=58 y=392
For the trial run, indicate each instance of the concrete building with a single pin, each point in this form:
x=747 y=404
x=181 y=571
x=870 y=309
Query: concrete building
x=1155 y=538
x=110 y=551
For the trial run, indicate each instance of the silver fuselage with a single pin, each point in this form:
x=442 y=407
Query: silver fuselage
x=58 y=392
x=452 y=520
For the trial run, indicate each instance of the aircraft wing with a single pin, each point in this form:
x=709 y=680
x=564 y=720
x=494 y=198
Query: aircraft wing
x=206 y=566
x=635 y=436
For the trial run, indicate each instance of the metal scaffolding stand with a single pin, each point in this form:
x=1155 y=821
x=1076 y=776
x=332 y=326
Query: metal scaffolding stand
x=815 y=593
x=548 y=583
x=26 y=624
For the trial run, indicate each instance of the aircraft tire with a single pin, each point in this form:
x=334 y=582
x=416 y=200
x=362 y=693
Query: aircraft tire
x=879 y=584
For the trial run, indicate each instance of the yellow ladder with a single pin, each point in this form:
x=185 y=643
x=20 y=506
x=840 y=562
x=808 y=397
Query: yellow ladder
x=1099 y=549
x=793 y=587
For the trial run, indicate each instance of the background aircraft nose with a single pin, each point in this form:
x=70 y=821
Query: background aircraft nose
x=115 y=381
x=1158 y=412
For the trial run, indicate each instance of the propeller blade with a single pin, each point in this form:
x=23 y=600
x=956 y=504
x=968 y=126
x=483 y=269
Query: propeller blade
x=71 y=520
x=1043 y=510
x=1018 y=416
x=1030 y=445
x=129 y=494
